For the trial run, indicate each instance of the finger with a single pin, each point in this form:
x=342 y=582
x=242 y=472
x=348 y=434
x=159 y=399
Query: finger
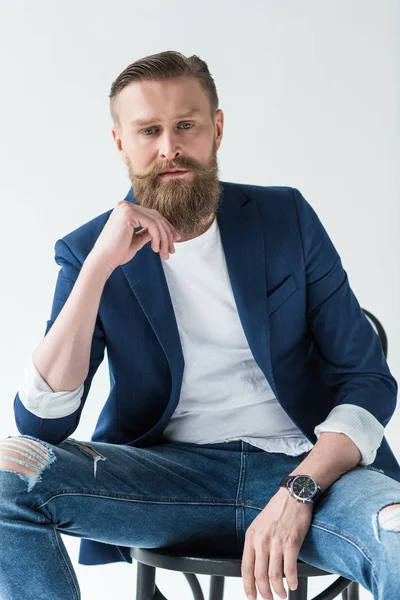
x=168 y=233
x=172 y=234
x=148 y=220
x=290 y=557
x=171 y=238
x=156 y=237
x=165 y=241
x=152 y=228
x=275 y=570
x=144 y=235
x=261 y=566
x=247 y=567
x=161 y=237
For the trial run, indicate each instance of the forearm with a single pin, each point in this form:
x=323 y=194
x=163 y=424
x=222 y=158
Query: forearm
x=63 y=356
x=333 y=455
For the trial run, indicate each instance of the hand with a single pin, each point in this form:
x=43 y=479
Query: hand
x=118 y=242
x=272 y=545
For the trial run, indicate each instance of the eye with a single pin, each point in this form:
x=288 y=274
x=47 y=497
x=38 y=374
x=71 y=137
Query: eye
x=152 y=128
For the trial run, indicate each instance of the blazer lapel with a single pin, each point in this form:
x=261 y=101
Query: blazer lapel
x=242 y=239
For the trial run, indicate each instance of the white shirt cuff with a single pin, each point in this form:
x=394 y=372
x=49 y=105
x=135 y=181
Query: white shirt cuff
x=357 y=423
x=39 y=398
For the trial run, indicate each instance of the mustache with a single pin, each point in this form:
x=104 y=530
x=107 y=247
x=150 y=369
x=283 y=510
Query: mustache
x=184 y=165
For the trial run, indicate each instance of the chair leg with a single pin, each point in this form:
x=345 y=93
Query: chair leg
x=301 y=592
x=216 y=587
x=145 y=582
x=194 y=586
x=353 y=591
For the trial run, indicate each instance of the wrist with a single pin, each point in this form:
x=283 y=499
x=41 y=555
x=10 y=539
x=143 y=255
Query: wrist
x=303 y=488
x=285 y=494
x=97 y=264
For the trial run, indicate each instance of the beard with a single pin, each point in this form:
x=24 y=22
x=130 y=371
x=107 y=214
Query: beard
x=188 y=204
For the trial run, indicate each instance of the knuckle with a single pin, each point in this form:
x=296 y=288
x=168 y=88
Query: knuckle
x=274 y=576
x=265 y=543
x=294 y=540
x=246 y=570
x=126 y=212
x=261 y=576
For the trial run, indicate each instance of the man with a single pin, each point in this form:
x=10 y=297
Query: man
x=239 y=358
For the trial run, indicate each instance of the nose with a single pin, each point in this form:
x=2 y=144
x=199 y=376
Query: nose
x=169 y=150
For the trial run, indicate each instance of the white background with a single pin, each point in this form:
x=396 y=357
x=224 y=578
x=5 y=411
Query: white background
x=310 y=93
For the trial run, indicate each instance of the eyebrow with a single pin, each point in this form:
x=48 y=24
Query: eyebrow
x=146 y=121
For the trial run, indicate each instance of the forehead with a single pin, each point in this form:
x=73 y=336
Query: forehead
x=159 y=100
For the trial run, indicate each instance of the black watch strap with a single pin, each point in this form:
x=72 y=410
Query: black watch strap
x=286 y=480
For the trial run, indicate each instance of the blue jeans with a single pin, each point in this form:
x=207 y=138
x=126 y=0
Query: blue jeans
x=177 y=495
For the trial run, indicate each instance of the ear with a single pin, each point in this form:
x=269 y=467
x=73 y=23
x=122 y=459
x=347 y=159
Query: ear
x=118 y=143
x=219 y=126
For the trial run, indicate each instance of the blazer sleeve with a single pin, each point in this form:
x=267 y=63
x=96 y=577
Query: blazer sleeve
x=350 y=354
x=52 y=416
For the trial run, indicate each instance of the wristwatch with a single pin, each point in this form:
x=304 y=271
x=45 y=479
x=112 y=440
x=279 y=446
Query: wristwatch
x=302 y=487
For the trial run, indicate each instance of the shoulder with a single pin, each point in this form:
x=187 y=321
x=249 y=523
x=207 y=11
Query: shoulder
x=274 y=202
x=262 y=192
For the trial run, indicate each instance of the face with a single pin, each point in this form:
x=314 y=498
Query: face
x=165 y=139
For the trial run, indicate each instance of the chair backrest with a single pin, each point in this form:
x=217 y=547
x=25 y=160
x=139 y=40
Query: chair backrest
x=379 y=329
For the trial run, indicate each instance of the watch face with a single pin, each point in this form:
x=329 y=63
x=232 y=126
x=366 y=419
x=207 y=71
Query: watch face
x=303 y=487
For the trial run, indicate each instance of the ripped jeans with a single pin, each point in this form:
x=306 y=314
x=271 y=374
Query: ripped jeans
x=181 y=496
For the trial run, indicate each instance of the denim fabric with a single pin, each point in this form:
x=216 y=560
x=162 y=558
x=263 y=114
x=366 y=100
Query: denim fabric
x=183 y=496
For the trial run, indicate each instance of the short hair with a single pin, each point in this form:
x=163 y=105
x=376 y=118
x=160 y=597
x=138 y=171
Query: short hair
x=164 y=65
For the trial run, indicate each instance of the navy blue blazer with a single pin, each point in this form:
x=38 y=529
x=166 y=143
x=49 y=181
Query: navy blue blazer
x=303 y=323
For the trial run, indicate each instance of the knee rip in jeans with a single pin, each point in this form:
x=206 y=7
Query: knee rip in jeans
x=388 y=518
x=32 y=456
